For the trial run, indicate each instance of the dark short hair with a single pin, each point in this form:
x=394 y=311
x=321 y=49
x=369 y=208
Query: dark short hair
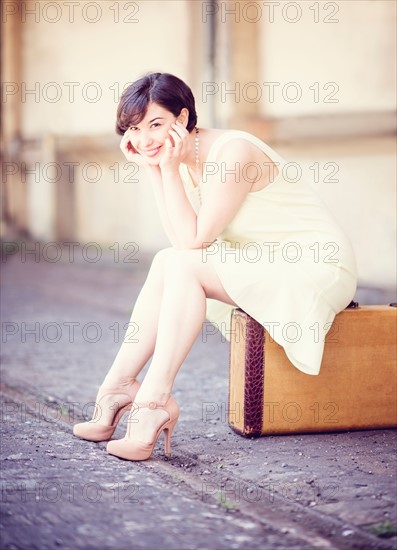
x=165 y=89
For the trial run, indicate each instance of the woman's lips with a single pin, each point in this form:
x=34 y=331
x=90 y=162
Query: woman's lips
x=152 y=152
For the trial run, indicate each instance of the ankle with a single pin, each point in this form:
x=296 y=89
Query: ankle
x=115 y=380
x=158 y=397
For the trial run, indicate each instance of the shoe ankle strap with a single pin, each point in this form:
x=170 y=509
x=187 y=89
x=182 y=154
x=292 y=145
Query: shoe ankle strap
x=121 y=384
x=149 y=405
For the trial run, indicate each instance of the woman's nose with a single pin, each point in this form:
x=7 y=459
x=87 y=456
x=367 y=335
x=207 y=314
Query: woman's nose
x=146 y=140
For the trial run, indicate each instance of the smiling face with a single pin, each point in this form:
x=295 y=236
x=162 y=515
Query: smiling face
x=148 y=137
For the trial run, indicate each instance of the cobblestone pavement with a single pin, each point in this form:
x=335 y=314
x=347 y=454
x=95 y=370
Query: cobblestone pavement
x=62 y=323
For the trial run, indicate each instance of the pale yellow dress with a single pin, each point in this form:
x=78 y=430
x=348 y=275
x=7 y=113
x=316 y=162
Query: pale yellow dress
x=283 y=259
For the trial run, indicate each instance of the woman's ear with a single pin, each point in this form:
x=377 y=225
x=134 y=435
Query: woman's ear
x=183 y=117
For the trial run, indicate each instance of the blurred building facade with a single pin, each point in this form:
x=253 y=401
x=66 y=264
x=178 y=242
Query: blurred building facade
x=315 y=80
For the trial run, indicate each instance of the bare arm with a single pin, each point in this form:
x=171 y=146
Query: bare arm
x=223 y=199
x=181 y=215
x=157 y=185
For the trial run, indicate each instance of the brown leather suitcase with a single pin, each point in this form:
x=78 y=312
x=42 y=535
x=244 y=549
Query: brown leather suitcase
x=355 y=389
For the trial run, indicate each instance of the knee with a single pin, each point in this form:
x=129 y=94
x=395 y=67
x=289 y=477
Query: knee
x=179 y=263
x=160 y=258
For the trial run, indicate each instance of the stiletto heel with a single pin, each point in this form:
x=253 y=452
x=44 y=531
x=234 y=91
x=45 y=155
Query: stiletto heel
x=93 y=430
x=129 y=449
x=168 y=433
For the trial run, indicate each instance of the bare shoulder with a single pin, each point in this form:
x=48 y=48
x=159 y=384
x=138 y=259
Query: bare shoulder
x=236 y=144
x=249 y=158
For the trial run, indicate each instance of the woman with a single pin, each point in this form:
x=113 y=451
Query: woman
x=242 y=235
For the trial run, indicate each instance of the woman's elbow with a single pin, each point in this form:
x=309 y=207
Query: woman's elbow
x=200 y=244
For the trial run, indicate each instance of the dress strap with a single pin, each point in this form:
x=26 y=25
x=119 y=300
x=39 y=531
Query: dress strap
x=240 y=134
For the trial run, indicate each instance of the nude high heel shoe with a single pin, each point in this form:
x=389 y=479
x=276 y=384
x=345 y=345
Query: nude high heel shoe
x=129 y=449
x=96 y=429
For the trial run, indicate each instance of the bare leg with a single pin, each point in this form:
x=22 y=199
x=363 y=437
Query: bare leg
x=138 y=344
x=187 y=282
x=140 y=338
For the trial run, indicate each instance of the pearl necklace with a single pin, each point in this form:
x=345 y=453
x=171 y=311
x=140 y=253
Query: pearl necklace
x=196 y=147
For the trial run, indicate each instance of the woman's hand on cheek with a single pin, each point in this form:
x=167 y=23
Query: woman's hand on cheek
x=176 y=147
x=128 y=150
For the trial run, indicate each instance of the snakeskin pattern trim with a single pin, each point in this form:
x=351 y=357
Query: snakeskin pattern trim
x=254 y=378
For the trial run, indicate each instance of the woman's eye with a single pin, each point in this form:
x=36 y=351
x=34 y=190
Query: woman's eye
x=155 y=125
